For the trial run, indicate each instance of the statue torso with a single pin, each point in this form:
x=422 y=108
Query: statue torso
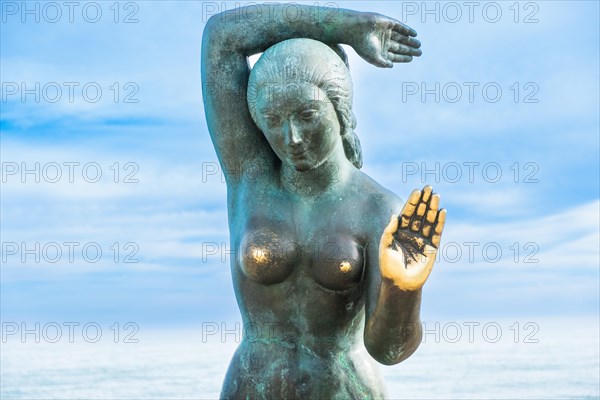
x=295 y=257
x=299 y=276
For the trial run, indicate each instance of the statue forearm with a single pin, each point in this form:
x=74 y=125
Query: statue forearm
x=393 y=331
x=250 y=30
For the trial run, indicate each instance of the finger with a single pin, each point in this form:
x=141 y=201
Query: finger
x=409 y=208
x=433 y=208
x=404 y=29
x=441 y=221
x=421 y=208
x=383 y=62
x=439 y=227
x=431 y=215
x=427 y=229
x=388 y=233
x=426 y=193
x=417 y=219
x=399 y=48
x=407 y=40
x=393 y=57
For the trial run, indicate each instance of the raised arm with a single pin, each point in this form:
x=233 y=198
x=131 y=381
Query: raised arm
x=399 y=264
x=230 y=37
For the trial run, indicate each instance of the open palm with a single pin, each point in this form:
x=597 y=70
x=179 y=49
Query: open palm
x=383 y=41
x=410 y=242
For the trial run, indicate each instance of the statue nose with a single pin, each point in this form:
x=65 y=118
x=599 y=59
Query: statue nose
x=292 y=134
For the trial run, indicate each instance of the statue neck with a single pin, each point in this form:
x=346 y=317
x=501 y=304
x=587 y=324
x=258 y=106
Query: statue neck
x=334 y=171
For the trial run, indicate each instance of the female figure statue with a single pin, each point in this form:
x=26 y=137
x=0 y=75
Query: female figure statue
x=327 y=277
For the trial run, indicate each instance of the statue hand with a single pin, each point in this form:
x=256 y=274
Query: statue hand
x=409 y=243
x=383 y=41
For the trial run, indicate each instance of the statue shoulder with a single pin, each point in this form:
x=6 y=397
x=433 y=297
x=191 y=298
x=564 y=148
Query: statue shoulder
x=380 y=202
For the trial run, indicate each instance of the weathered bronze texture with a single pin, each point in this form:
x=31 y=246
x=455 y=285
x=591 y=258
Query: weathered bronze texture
x=327 y=274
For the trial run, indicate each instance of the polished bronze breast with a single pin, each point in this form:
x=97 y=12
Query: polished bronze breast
x=335 y=262
x=338 y=263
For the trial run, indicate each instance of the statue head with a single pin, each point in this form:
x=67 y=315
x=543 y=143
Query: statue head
x=314 y=72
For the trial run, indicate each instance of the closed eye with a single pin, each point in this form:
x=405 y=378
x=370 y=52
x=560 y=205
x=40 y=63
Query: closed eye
x=271 y=119
x=308 y=114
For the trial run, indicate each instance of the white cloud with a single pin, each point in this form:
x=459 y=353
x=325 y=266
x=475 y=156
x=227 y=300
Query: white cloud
x=566 y=241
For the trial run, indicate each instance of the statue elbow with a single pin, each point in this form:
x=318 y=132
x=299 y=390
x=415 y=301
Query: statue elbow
x=212 y=26
x=392 y=354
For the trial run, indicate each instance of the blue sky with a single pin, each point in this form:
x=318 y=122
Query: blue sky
x=175 y=212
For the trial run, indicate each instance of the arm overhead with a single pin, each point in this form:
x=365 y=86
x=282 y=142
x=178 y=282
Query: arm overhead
x=231 y=36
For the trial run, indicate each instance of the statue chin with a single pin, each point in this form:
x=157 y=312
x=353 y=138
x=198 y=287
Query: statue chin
x=305 y=165
x=302 y=167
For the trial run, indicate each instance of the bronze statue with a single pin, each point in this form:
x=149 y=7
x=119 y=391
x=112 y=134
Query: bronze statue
x=326 y=276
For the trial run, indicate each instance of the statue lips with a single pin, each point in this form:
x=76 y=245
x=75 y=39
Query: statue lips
x=297 y=154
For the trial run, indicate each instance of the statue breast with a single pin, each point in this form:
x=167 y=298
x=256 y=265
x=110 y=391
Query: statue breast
x=269 y=256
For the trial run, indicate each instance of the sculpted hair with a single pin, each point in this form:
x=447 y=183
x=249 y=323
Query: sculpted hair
x=307 y=60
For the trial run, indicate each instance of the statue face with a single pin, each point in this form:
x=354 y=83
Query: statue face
x=299 y=122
